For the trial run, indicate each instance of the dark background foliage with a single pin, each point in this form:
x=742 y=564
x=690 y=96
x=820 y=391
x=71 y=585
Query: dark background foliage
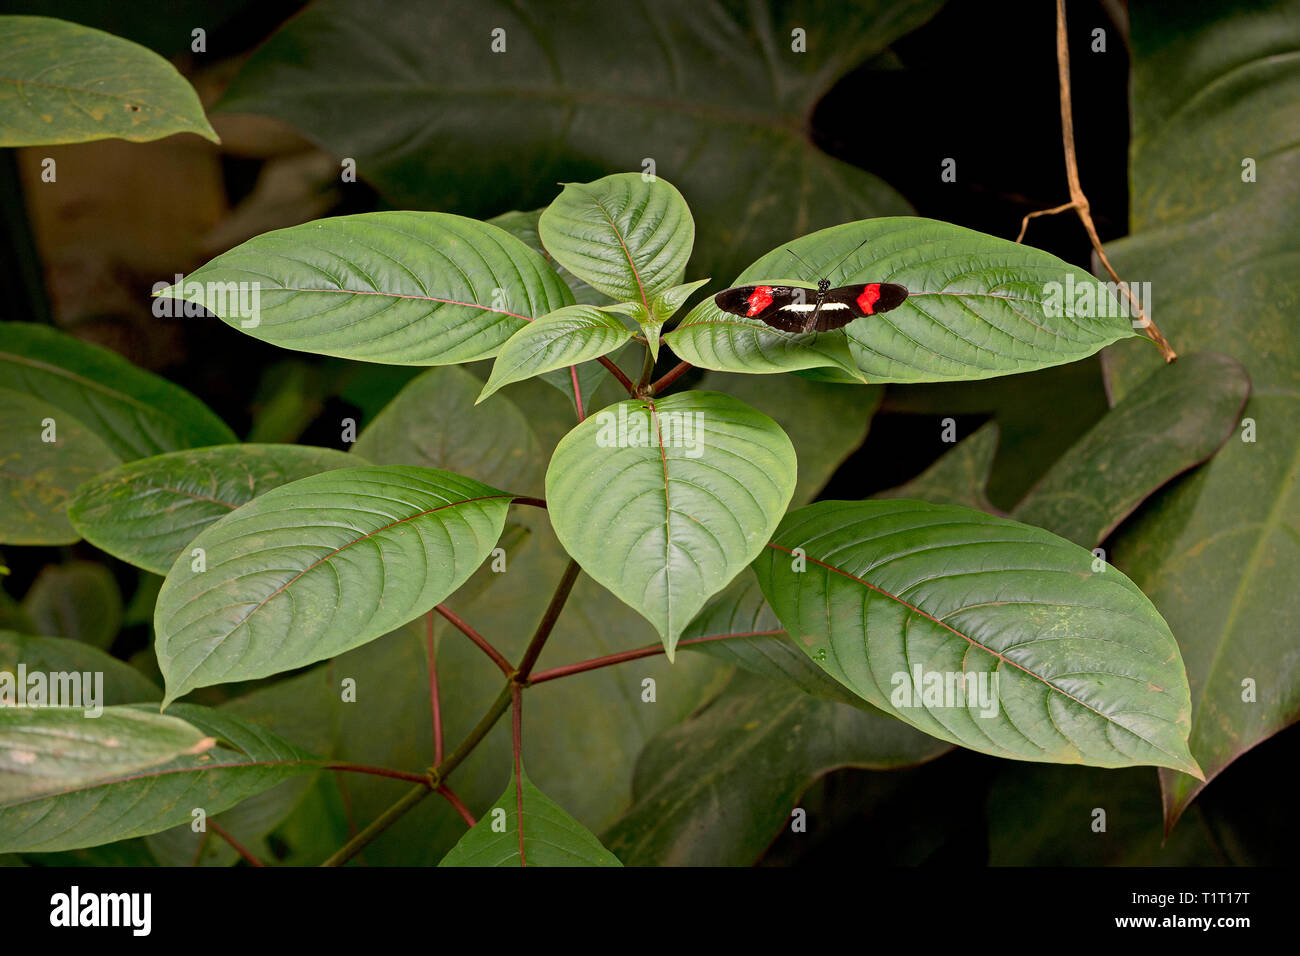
x=977 y=83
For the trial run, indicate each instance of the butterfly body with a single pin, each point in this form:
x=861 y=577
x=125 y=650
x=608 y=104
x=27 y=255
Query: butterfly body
x=799 y=309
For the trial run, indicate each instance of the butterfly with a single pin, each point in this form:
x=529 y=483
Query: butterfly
x=798 y=309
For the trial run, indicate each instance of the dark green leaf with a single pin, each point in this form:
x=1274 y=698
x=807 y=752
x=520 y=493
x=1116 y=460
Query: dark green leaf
x=64 y=83
x=147 y=511
x=898 y=600
x=136 y=414
x=550 y=836
x=319 y=566
x=77 y=600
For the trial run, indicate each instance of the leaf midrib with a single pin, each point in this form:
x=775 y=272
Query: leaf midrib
x=975 y=643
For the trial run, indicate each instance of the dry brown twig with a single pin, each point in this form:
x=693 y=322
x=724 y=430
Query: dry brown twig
x=1078 y=201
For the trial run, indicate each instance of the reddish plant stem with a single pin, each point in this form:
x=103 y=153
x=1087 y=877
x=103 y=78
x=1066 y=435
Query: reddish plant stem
x=203 y=840
x=456 y=802
x=239 y=848
x=623 y=656
x=516 y=744
x=535 y=502
x=672 y=375
x=457 y=622
x=374 y=771
x=433 y=690
x=547 y=624
x=618 y=374
x=577 y=393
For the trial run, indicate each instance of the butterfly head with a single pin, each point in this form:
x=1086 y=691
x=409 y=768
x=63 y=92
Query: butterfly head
x=823 y=286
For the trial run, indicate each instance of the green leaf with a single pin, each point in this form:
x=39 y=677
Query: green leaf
x=123 y=684
x=550 y=836
x=825 y=422
x=664 y=501
x=139 y=772
x=433 y=423
x=959 y=477
x=401 y=288
x=715 y=790
x=1073 y=665
x=54 y=750
x=977 y=306
x=135 y=413
x=565 y=337
x=1176 y=419
x=627 y=235
x=77 y=600
x=737 y=627
x=64 y=83
x=712 y=94
x=523 y=226
x=284 y=586
x=1218 y=552
x=37 y=478
x=147 y=512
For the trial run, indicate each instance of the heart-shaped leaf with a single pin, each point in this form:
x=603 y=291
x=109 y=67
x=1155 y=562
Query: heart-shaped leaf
x=983 y=631
x=318 y=566
x=47 y=454
x=568 y=336
x=130 y=771
x=61 y=82
x=135 y=413
x=977 y=306
x=147 y=511
x=527 y=828
x=664 y=501
x=627 y=235
x=717 y=97
x=402 y=288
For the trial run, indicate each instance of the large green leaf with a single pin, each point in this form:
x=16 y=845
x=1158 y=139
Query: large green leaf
x=1074 y=665
x=135 y=772
x=754 y=640
x=38 y=477
x=523 y=226
x=78 y=600
x=122 y=684
x=147 y=511
x=318 y=566
x=51 y=750
x=433 y=422
x=134 y=412
x=664 y=501
x=627 y=235
x=977 y=306
x=825 y=422
x=714 y=95
x=716 y=789
x=1176 y=419
x=565 y=337
x=550 y=837
x=1213 y=85
x=64 y=83
x=402 y=288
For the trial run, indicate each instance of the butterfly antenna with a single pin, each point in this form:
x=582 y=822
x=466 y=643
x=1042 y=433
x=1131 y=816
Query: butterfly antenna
x=846 y=256
x=801 y=261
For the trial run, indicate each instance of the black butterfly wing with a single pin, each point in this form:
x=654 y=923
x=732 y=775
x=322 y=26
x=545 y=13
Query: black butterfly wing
x=849 y=302
x=780 y=306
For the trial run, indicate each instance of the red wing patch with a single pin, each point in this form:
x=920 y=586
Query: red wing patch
x=759 y=300
x=867 y=300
